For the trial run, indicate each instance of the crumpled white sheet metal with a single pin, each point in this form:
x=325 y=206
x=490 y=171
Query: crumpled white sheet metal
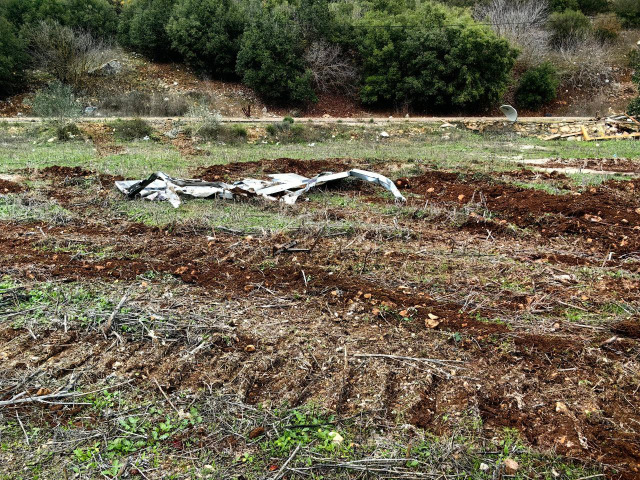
x=285 y=187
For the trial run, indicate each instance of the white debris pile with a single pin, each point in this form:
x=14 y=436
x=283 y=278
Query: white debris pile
x=284 y=187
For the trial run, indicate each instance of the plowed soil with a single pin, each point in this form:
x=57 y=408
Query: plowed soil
x=7 y=186
x=318 y=317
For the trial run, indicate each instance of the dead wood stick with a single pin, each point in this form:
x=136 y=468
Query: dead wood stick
x=107 y=326
x=63 y=394
x=26 y=437
x=284 y=465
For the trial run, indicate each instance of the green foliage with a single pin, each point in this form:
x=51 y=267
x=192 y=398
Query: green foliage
x=308 y=429
x=607 y=27
x=591 y=7
x=568 y=28
x=67 y=132
x=57 y=102
x=444 y=59
x=143 y=25
x=206 y=33
x=96 y=16
x=628 y=11
x=131 y=129
x=13 y=58
x=537 y=86
x=634 y=107
x=271 y=58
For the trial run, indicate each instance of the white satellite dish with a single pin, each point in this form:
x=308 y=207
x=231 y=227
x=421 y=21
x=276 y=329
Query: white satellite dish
x=509 y=112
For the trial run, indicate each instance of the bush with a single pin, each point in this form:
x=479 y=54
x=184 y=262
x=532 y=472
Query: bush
x=56 y=102
x=143 y=27
x=13 y=59
x=206 y=33
x=568 y=28
x=66 y=54
x=271 y=58
x=537 y=86
x=131 y=129
x=628 y=11
x=67 y=132
x=634 y=107
x=607 y=27
x=591 y=7
x=444 y=60
x=206 y=121
x=141 y=104
x=96 y=16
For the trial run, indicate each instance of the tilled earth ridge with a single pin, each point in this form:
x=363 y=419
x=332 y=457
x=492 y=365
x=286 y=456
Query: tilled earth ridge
x=565 y=387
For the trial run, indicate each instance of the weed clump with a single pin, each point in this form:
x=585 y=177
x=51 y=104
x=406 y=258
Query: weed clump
x=132 y=129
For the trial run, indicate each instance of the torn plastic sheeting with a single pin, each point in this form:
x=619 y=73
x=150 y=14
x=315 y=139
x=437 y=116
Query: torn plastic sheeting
x=161 y=187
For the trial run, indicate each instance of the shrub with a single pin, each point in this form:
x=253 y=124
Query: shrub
x=628 y=11
x=607 y=27
x=67 y=132
x=270 y=59
x=444 y=60
x=56 y=102
x=634 y=107
x=562 y=5
x=331 y=69
x=13 y=59
x=141 y=104
x=143 y=27
x=568 y=28
x=591 y=7
x=537 y=86
x=206 y=121
x=131 y=129
x=96 y=16
x=206 y=33
x=66 y=54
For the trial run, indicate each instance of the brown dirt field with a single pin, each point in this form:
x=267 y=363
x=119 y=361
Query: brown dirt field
x=7 y=186
x=564 y=387
x=605 y=164
x=602 y=215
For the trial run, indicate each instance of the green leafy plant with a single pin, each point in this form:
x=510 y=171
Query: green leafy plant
x=132 y=129
x=56 y=102
x=568 y=28
x=444 y=59
x=537 y=86
x=628 y=11
x=270 y=59
x=143 y=27
x=13 y=58
x=206 y=33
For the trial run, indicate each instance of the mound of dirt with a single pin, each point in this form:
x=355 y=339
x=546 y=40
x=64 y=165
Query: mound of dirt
x=56 y=171
x=606 y=164
x=307 y=168
x=601 y=214
x=7 y=186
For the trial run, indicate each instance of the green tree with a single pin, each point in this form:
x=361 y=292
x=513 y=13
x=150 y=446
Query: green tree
x=96 y=16
x=13 y=58
x=538 y=85
x=143 y=27
x=568 y=27
x=440 y=58
x=628 y=11
x=271 y=58
x=207 y=34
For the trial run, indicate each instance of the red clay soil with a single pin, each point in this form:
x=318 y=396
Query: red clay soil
x=601 y=215
x=7 y=186
x=307 y=168
x=606 y=164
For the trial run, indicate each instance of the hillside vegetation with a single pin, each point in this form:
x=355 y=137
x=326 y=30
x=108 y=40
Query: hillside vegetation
x=404 y=55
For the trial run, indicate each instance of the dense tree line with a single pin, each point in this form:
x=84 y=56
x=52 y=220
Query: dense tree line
x=409 y=54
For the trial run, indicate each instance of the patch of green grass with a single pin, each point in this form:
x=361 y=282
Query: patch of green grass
x=22 y=208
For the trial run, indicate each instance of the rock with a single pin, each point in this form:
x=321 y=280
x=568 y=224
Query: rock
x=336 y=438
x=326 y=115
x=51 y=140
x=510 y=466
x=484 y=467
x=384 y=134
x=112 y=67
x=173 y=133
x=264 y=111
x=561 y=407
x=250 y=348
x=90 y=110
x=447 y=125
